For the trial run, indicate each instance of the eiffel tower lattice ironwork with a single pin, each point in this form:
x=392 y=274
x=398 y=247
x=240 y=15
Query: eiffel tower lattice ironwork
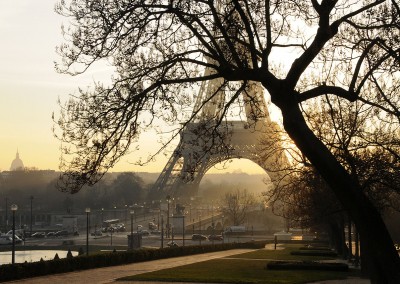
x=205 y=143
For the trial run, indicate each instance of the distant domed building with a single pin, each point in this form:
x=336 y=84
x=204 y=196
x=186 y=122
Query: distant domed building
x=17 y=163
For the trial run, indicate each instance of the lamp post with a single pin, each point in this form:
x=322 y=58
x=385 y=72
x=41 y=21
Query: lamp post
x=126 y=213
x=158 y=217
x=6 y=214
x=200 y=227
x=223 y=233
x=102 y=217
x=144 y=211
x=168 y=201
x=87 y=210
x=14 y=207
x=212 y=219
x=31 y=198
x=162 y=230
x=132 y=213
x=183 y=230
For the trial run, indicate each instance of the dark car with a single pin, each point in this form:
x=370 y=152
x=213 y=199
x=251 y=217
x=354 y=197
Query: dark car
x=215 y=238
x=144 y=233
x=198 y=237
x=38 y=235
x=172 y=244
x=96 y=233
x=50 y=234
x=62 y=233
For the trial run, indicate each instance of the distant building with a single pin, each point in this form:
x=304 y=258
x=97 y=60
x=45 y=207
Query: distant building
x=17 y=163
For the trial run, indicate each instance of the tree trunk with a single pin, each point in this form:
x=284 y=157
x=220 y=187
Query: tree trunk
x=357 y=248
x=345 y=250
x=337 y=235
x=349 y=238
x=370 y=225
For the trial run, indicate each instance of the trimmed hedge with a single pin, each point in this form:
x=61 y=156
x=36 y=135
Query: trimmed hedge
x=307 y=265
x=316 y=248
x=329 y=253
x=27 y=270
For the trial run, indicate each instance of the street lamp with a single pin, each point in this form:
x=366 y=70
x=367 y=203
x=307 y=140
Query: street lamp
x=126 y=213
x=31 y=198
x=132 y=213
x=6 y=214
x=183 y=230
x=200 y=227
x=223 y=233
x=14 y=207
x=87 y=210
x=168 y=201
x=102 y=217
x=162 y=230
x=144 y=211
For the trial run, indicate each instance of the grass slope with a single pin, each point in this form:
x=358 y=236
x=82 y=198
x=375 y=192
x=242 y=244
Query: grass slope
x=243 y=268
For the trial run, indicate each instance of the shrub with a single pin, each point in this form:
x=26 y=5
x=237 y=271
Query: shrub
x=307 y=265
x=314 y=253
x=69 y=254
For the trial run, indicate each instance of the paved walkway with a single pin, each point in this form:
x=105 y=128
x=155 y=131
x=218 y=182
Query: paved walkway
x=109 y=274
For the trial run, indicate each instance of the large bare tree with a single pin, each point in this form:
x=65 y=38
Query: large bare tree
x=161 y=48
x=236 y=205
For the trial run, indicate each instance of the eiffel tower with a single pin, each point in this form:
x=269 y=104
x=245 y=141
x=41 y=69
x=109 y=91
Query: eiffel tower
x=210 y=139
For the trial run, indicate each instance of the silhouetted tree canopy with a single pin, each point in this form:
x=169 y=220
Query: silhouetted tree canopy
x=160 y=50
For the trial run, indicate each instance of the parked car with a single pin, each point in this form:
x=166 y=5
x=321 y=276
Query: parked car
x=144 y=232
x=215 y=238
x=20 y=233
x=119 y=228
x=172 y=244
x=50 y=234
x=198 y=237
x=152 y=226
x=61 y=233
x=7 y=240
x=38 y=235
x=96 y=233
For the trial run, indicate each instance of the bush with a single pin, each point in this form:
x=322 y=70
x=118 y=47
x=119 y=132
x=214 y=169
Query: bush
x=329 y=253
x=307 y=265
x=316 y=248
x=80 y=251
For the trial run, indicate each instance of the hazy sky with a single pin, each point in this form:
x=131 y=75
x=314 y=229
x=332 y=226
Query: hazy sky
x=30 y=87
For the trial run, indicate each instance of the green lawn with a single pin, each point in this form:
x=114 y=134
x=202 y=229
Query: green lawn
x=280 y=254
x=243 y=268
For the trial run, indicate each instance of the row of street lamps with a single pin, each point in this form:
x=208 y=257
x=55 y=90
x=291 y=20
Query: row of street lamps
x=14 y=208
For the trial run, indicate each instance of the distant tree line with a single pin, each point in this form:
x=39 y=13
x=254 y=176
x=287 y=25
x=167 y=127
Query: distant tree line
x=115 y=190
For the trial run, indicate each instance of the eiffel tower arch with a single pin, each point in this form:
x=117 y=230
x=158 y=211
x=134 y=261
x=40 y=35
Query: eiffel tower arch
x=209 y=140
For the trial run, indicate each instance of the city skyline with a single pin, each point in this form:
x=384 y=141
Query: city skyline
x=30 y=88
